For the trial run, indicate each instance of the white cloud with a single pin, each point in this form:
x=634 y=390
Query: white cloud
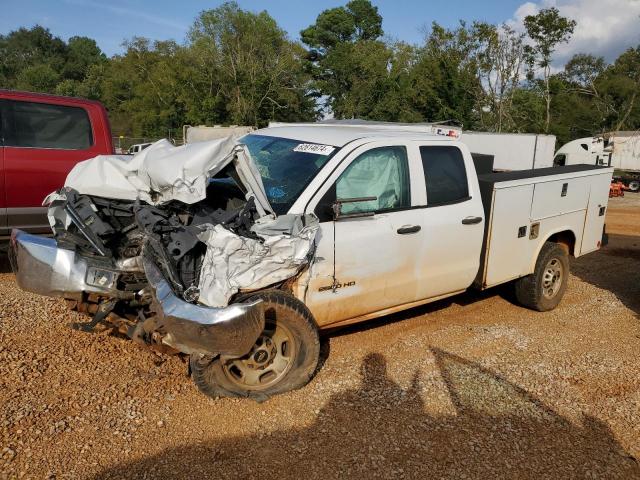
x=604 y=27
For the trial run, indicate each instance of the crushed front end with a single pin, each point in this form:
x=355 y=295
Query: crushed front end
x=170 y=275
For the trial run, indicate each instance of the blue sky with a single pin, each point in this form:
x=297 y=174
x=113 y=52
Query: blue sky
x=605 y=27
x=109 y=22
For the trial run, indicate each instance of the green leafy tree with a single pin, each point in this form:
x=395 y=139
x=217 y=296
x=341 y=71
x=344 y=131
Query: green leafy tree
x=41 y=77
x=256 y=69
x=578 y=107
x=445 y=76
x=347 y=60
x=140 y=88
x=31 y=59
x=500 y=55
x=546 y=30
x=82 y=53
x=621 y=85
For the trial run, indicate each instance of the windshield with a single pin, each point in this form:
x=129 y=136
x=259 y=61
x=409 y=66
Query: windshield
x=286 y=166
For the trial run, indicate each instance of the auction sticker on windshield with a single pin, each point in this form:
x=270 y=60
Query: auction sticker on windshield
x=314 y=148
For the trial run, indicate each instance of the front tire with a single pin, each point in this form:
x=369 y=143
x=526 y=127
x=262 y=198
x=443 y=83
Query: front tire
x=634 y=186
x=545 y=287
x=284 y=357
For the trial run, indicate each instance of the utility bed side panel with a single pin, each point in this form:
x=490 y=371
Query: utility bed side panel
x=505 y=258
x=559 y=197
x=594 y=224
x=524 y=209
x=509 y=255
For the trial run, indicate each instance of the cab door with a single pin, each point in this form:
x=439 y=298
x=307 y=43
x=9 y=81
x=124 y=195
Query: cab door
x=3 y=203
x=452 y=220
x=366 y=260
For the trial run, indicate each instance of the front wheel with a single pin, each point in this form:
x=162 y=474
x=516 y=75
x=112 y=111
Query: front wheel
x=634 y=185
x=284 y=357
x=545 y=287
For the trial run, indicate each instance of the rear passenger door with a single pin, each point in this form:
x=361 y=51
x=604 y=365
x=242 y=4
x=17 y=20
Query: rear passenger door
x=42 y=142
x=452 y=220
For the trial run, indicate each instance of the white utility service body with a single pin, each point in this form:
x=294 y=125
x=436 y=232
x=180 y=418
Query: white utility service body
x=538 y=208
x=365 y=267
x=513 y=151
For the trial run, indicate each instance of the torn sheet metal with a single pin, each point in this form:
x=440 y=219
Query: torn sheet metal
x=232 y=263
x=164 y=172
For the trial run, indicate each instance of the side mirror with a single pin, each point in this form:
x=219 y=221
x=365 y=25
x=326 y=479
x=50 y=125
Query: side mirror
x=337 y=208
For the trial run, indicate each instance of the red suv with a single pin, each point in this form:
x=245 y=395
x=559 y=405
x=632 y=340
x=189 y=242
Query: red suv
x=41 y=138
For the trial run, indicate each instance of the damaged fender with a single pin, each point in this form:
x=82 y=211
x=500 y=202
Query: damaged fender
x=232 y=262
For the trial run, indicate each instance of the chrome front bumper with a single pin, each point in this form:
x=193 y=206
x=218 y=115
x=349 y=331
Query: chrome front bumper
x=41 y=267
x=192 y=328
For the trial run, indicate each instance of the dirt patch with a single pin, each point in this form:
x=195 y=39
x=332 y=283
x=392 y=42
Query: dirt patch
x=472 y=387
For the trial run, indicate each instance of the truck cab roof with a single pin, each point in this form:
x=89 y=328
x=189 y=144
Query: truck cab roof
x=340 y=135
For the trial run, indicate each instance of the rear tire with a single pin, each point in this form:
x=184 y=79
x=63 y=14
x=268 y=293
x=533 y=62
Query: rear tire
x=545 y=287
x=284 y=357
x=634 y=185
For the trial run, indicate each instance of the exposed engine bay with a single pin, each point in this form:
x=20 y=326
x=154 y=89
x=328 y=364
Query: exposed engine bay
x=115 y=231
x=163 y=255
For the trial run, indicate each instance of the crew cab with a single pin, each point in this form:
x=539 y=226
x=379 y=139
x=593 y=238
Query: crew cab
x=41 y=138
x=238 y=252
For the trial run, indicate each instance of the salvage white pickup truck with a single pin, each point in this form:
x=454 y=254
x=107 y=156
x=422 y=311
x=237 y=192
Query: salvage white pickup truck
x=238 y=251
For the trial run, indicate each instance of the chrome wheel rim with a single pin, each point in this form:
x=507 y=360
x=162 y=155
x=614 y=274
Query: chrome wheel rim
x=552 y=278
x=269 y=360
x=634 y=185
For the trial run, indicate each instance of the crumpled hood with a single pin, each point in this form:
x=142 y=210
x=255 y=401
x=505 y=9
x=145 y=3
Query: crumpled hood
x=164 y=172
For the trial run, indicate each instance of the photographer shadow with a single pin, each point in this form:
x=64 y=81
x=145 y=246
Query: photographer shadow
x=382 y=430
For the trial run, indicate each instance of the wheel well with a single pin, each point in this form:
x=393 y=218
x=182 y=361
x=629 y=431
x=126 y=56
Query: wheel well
x=566 y=239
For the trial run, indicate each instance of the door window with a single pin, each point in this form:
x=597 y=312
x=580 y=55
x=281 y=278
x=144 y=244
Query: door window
x=41 y=125
x=445 y=175
x=380 y=172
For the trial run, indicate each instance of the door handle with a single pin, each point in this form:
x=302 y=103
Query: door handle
x=471 y=220
x=409 y=229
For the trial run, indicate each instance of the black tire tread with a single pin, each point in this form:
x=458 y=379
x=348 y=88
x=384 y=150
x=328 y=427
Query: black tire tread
x=296 y=378
x=528 y=289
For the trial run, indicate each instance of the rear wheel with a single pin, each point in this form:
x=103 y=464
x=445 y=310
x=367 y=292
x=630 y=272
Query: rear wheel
x=284 y=357
x=545 y=287
x=634 y=185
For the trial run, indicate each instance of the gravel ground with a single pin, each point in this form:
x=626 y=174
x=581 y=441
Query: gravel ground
x=474 y=387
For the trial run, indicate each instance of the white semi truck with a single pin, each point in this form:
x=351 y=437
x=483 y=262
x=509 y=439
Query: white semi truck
x=238 y=252
x=620 y=150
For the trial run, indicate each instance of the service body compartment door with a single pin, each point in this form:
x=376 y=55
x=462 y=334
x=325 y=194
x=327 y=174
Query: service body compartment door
x=558 y=197
x=594 y=224
x=509 y=249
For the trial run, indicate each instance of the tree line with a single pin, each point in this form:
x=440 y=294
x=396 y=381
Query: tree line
x=240 y=67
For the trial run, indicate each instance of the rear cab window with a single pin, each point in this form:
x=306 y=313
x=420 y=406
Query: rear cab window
x=445 y=175
x=42 y=125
